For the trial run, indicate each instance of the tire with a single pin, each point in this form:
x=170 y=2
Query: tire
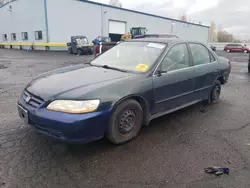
x=70 y=50
x=228 y=51
x=214 y=94
x=245 y=51
x=119 y=130
x=79 y=52
x=248 y=68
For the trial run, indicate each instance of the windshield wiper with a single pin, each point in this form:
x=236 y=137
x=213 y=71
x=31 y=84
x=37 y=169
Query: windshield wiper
x=114 y=68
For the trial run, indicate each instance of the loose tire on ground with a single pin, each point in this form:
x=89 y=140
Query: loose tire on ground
x=125 y=122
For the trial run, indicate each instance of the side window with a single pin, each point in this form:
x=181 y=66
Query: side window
x=13 y=36
x=5 y=38
x=200 y=54
x=176 y=58
x=24 y=35
x=38 y=35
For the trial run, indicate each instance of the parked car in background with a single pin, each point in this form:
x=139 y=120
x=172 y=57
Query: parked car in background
x=119 y=91
x=248 y=64
x=236 y=48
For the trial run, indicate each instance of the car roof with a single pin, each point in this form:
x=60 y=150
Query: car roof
x=163 y=40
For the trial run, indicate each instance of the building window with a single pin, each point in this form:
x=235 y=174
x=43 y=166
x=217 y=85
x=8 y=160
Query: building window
x=5 y=38
x=38 y=35
x=13 y=36
x=24 y=35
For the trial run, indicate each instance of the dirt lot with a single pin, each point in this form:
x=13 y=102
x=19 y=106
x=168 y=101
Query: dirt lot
x=171 y=152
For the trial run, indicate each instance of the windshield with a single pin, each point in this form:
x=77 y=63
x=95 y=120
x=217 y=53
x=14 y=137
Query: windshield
x=131 y=56
x=82 y=41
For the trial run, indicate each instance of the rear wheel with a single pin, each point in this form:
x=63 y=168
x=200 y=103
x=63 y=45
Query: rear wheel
x=228 y=51
x=214 y=94
x=125 y=122
x=245 y=51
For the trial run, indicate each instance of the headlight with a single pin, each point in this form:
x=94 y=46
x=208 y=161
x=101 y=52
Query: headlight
x=74 y=107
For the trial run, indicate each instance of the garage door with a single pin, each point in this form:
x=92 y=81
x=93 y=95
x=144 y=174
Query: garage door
x=117 y=27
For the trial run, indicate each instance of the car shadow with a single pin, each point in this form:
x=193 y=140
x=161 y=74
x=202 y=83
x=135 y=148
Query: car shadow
x=168 y=123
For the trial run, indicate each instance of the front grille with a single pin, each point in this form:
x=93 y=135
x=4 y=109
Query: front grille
x=34 y=101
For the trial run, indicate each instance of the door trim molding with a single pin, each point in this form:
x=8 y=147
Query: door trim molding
x=174 y=97
x=154 y=116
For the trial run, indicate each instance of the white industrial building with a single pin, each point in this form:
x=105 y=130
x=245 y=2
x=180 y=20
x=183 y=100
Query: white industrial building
x=58 y=20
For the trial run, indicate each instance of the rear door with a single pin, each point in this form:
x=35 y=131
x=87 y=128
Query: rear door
x=174 y=87
x=204 y=69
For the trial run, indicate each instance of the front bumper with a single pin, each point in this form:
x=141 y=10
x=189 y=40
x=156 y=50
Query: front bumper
x=66 y=127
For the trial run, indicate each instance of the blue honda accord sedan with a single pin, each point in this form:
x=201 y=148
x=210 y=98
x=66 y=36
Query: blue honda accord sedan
x=121 y=90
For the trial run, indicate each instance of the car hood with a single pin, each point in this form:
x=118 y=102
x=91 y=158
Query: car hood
x=59 y=82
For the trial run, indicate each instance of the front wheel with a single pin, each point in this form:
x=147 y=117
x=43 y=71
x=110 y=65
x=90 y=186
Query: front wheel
x=125 y=122
x=228 y=51
x=70 y=50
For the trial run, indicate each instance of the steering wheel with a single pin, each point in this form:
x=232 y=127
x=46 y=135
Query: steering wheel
x=170 y=63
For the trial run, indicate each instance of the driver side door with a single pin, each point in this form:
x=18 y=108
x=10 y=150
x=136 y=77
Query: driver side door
x=175 y=86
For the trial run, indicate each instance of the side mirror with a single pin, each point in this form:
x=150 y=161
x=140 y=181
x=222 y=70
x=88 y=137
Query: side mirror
x=159 y=72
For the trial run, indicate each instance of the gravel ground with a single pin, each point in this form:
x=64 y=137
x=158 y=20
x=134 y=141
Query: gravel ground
x=172 y=152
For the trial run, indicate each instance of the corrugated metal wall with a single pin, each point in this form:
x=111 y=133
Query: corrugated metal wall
x=67 y=18
x=72 y=17
x=26 y=16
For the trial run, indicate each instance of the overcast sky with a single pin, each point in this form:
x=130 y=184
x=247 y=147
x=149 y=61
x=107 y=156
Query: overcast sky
x=231 y=15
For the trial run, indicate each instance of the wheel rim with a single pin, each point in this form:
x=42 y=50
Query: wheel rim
x=127 y=122
x=216 y=94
